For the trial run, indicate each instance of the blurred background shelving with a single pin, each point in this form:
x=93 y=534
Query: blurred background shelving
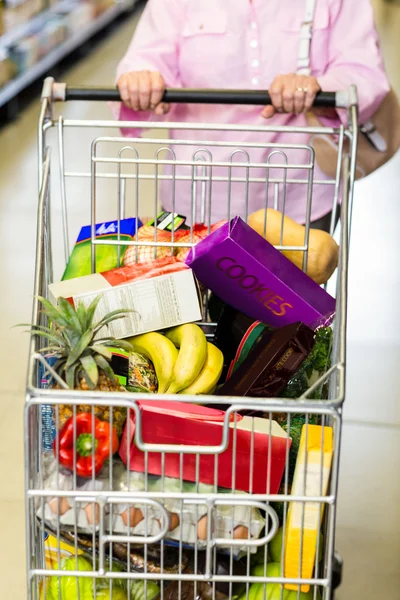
x=36 y=34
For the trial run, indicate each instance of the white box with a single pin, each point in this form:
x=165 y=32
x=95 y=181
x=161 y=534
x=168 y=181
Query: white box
x=159 y=302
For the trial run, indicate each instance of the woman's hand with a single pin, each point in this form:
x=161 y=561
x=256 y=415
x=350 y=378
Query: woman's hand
x=143 y=90
x=291 y=94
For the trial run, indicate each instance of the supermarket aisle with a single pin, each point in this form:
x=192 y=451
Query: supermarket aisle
x=369 y=520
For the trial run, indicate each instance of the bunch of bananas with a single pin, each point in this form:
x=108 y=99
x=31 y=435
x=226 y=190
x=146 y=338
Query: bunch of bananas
x=184 y=361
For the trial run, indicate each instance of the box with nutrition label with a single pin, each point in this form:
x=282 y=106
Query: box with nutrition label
x=160 y=294
x=247 y=272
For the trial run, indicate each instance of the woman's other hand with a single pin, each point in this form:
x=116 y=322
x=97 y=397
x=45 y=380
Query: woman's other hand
x=291 y=94
x=143 y=90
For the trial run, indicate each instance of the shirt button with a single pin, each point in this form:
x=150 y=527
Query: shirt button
x=255 y=81
x=253 y=44
x=255 y=63
x=253 y=25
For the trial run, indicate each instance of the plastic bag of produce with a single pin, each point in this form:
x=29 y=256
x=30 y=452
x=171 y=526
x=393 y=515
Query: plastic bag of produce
x=85 y=588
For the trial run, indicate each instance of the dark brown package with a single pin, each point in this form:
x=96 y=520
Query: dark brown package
x=223 y=566
x=271 y=363
x=235 y=336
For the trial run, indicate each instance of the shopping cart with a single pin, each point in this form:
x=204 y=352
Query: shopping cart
x=206 y=567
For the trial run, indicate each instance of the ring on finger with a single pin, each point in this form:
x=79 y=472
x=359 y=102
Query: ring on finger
x=300 y=89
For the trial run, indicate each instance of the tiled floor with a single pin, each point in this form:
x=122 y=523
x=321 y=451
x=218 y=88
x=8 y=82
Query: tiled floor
x=369 y=516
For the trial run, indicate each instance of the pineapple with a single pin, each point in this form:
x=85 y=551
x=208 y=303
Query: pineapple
x=83 y=358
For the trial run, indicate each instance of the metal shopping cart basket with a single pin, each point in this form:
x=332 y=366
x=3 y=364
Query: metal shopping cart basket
x=80 y=523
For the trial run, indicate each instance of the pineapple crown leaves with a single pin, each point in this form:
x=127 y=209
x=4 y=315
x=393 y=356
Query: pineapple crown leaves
x=72 y=336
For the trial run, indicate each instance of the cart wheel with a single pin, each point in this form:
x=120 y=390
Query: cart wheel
x=337 y=572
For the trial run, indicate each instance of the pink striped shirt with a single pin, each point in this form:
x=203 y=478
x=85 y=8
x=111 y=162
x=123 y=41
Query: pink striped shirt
x=244 y=44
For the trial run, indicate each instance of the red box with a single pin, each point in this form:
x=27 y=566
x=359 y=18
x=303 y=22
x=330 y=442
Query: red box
x=178 y=423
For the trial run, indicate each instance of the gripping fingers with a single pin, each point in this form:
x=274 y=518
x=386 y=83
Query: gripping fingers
x=312 y=90
x=162 y=109
x=268 y=112
x=275 y=91
x=292 y=94
x=288 y=95
x=301 y=89
x=144 y=90
x=127 y=88
x=157 y=89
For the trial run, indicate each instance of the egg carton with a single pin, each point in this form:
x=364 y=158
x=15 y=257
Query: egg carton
x=188 y=523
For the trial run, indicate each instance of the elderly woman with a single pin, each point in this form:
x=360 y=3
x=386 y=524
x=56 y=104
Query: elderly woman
x=251 y=44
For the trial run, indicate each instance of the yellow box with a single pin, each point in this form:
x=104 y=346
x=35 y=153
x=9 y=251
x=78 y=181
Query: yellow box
x=313 y=467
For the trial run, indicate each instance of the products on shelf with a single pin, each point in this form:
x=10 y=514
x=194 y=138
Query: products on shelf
x=35 y=28
x=7 y=68
x=15 y=14
x=25 y=53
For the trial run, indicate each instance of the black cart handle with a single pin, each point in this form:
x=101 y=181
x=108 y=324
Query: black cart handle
x=61 y=91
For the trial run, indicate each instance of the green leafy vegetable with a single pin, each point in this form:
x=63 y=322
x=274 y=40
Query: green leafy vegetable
x=71 y=588
x=137 y=590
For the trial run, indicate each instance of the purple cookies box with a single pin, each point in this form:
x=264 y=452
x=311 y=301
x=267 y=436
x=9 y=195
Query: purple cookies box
x=248 y=273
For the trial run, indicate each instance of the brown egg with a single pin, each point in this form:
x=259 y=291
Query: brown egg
x=64 y=506
x=132 y=516
x=174 y=521
x=241 y=533
x=93 y=513
x=202 y=528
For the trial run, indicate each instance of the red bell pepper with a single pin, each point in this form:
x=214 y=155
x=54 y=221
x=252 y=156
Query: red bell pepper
x=91 y=448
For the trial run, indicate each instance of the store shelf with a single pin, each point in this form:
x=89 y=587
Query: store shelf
x=14 y=87
x=20 y=31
